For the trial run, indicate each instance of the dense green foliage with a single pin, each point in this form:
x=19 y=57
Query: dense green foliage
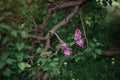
x=17 y=17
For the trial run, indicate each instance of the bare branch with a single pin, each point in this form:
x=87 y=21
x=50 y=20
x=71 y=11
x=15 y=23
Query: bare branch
x=110 y=53
x=83 y=28
x=61 y=6
x=66 y=20
x=46 y=76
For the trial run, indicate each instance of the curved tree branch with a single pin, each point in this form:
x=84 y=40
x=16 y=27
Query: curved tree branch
x=110 y=53
x=58 y=6
x=56 y=27
x=61 y=6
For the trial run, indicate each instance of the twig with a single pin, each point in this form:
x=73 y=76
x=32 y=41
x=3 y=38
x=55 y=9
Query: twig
x=83 y=26
x=38 y=76
x=46 y=76
x=57 y=36
x=49 y=58
x=34 y=30
x=37 y=37
x=33 y=21
x=31 y=59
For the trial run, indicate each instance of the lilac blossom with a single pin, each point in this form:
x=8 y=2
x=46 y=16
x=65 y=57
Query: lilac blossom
x=66 y=50
x=77 y=38
x=63 y=46
x=80 y=42
x=77 y=34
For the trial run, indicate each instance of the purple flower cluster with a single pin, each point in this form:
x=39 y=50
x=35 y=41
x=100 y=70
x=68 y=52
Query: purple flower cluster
x=78 y=41
x=66 y=50
x=77 y=38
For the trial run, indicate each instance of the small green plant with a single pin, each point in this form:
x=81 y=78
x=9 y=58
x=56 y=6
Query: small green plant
x=94 y=48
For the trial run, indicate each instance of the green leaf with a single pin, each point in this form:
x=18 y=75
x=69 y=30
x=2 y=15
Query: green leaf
x=98 y=51
x=7 y=72
x=20 y=46
x=26 y=56
x=88 y=50
x=53 y=64
x=27 y=47
x=4 y=40
x=99 y=44
x=92 y=45
x=20 y=56
x=23 y=65
x=24 y=34
x=48 y=53
x=40 y=60
x=4 y=15
x=94 y=55
x=57 y=46
x=39 y=50
x=94 y=40
x=23 y=2
x=55 y=59
x=62 y=60
x=10 y=61
x=13 y=33
x=72 y=43
x=22 y=26
x=4 y=56
x=2 y=65
x=45 y=68
x=81 y=53
x=27 y=65
x=4 y=26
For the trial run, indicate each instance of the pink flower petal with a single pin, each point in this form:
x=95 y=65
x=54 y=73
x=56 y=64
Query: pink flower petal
x=77 y=34
x=66 y=50
x=80 y=42
x=63 y=46
x=77 y=38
